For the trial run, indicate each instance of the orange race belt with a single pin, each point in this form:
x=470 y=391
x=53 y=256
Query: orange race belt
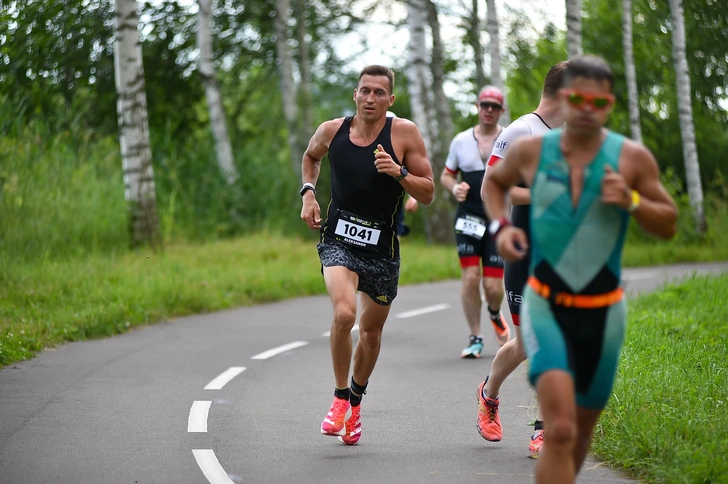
x=583 y=301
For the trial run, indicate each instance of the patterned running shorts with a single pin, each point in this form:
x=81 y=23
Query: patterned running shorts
x=378 y=278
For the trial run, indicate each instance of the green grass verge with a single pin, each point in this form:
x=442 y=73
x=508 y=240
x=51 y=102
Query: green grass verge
x=48 y=302
x=668 y=418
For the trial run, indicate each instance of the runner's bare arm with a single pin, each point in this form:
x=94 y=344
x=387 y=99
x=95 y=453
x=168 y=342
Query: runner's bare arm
x=511 y=241
x=419 y=182
x=449 y=182
x=500 y=178
x=317 y=148
x=517 y=195
x=656 y=212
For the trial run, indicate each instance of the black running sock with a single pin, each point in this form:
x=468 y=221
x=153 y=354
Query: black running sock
x=538 y=425
x=357 y=392
x=493 y=314
x=342 y=393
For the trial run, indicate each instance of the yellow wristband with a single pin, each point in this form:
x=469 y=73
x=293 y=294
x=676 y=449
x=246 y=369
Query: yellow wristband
x=635 y=201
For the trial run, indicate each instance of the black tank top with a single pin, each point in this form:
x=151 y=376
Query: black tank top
x=364 y=206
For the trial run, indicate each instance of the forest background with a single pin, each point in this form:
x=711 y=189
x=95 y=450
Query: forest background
x=61 y=185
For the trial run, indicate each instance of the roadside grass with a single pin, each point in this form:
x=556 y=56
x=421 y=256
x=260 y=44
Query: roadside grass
x=48 y=302
x=45 y=302
x=668 y=418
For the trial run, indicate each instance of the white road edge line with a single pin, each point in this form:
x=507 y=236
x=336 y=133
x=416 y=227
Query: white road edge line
x=197 y=421
x=277 y=351
x=224 y=378
x=328 y=333
x=210 y=466
x=639 y=275
x=425 y=310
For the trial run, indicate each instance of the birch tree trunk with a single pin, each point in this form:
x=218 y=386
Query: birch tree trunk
x=443 y=125
x=419 y=77
x=206 y=68
x=417 y=70
x=438 y=212
x=288 y=87
x=573 y=28
x=629 y=71
x=304 y=65
x=474 y=35
x=685 y=111
x=496 y=72
x=136 y=154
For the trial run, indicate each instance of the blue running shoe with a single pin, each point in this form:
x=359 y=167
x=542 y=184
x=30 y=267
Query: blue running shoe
x=474 y=349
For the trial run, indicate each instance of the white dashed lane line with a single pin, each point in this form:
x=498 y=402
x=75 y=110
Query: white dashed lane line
x=210 y=467
x=280 y=349
x=224 y=378
x=425 y=310
x=197 y=420
x=637 y=276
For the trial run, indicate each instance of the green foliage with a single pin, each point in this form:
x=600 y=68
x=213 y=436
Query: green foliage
x=716 y=210
x=529 y=62
x=54 y=202
x=707 y=33
x=667 y=419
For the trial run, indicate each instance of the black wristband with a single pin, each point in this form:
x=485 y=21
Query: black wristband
x=306 y=187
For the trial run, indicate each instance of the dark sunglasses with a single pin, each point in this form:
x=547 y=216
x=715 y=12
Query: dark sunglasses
x=578 y=98
x=494 y=106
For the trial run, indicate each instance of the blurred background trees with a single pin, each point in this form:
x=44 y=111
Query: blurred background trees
x=283 y=66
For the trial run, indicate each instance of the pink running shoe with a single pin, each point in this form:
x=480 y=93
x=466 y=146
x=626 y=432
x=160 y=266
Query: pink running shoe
x=339 y=412
x=353 y=427
x=502 y=331
x=489 y=425
x=534 y=448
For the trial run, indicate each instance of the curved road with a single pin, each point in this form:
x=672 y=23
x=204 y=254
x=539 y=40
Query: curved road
x=238 y=397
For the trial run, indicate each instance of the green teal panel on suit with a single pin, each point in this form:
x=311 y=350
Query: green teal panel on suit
x=577 y=242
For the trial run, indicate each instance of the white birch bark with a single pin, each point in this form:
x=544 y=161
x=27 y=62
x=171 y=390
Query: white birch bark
x=573 y=28
x=304 y=65
x=496 y=71
x=206 y=68
x=417 y=70
x=474 y=34
x=136 y=154
x=288 y=86
x=443 y=125
x=629 y=71
x=685 y=112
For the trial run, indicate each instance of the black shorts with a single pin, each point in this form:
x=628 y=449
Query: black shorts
x=378 y=277
x=473 y=251
x=514 y=280
x=516 y=274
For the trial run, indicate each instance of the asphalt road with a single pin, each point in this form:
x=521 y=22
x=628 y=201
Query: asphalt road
x=238 y=397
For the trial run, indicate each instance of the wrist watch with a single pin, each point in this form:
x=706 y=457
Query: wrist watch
x=306 y=187
x=402 y=173
x=497 y=224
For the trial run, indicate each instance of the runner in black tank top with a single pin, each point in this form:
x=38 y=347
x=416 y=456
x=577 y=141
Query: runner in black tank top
x=374 y=161
x=358 y=190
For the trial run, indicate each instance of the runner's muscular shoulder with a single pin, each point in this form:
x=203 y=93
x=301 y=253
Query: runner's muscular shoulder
x=319 y=144
x=410 y=148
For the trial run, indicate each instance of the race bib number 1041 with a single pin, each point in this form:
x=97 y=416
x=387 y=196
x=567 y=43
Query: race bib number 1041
x=357 y=234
